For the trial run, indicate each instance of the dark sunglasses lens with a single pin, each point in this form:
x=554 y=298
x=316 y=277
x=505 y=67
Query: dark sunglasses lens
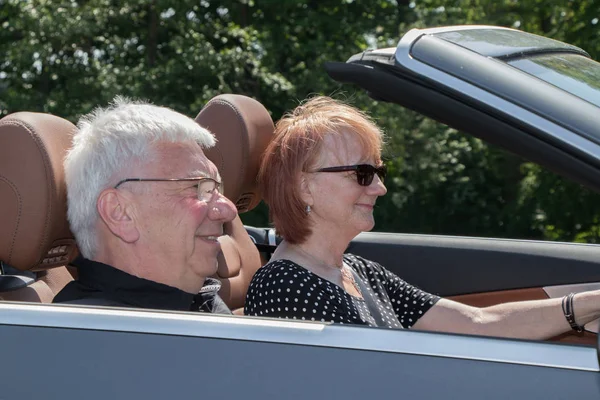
x=364 y=174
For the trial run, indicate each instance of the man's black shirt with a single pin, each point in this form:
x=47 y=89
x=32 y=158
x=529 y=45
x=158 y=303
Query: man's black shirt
x=101 y=284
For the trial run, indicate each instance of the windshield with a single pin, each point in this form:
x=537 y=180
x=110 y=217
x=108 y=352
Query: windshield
x=573 y=73
x=502 y=42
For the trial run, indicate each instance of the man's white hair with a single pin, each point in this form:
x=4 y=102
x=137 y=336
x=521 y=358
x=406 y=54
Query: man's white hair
x=109 y=142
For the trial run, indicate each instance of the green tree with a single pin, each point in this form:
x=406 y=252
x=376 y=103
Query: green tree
x=65 y=57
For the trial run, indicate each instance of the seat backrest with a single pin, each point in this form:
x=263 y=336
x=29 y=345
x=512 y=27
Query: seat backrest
x=43 y=288
x=34 y=232
x=243 y=128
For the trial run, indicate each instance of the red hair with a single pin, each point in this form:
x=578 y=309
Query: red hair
x=296 y=147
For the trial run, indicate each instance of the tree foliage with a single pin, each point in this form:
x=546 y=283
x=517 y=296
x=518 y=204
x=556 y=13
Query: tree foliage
x=66 y=57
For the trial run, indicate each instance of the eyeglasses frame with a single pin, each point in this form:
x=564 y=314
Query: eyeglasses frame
x=219 y=185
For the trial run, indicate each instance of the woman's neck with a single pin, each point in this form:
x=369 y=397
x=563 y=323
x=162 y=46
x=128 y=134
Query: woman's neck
x=319 y=253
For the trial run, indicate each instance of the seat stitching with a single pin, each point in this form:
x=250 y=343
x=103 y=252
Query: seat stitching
x=20 y=202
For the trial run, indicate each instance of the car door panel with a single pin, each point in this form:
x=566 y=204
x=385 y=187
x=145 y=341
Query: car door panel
x=450 y=266
x=99 y=364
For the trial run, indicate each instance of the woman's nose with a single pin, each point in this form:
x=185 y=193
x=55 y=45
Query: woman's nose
x=377 y=187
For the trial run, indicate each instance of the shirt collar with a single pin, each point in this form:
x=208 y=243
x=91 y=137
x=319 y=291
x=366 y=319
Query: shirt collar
x=139 y=292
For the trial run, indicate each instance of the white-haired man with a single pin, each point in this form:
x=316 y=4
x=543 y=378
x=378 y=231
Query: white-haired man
x=145 y=206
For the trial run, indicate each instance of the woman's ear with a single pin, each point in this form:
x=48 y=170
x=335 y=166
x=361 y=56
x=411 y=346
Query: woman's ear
x=305 y=188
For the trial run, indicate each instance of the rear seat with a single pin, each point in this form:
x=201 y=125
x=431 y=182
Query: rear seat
x=35 y=241
x=244 y=129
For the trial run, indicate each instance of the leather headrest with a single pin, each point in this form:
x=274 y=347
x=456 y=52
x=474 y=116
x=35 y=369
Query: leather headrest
x=34 y=232
x=243 y=128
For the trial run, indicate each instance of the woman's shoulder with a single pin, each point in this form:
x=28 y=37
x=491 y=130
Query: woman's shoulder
x=361 y=264
x=280 y=267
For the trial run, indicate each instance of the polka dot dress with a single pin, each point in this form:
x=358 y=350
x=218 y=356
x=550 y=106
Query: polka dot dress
x=284 y=289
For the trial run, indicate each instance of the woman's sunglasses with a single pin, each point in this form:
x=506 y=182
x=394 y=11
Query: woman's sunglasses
x=364 y=172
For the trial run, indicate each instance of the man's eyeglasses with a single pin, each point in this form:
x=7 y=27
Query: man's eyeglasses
x=364 y=172
x=206 y=186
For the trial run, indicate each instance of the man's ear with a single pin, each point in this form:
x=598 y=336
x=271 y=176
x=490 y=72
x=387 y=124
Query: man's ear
x=305 y=189
x=117 y=214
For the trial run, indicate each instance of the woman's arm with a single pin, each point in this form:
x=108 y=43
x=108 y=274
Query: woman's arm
x=537 y=319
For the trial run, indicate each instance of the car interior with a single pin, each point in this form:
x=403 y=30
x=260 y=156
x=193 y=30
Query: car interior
x=36 y=245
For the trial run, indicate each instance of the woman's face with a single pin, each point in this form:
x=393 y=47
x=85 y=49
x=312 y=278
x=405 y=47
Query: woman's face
x=339 y=205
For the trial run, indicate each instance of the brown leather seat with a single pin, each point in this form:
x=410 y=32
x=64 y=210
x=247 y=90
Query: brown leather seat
x=243 y=128
x=34 y=233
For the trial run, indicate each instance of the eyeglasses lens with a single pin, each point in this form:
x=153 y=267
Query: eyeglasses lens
x=206 y=189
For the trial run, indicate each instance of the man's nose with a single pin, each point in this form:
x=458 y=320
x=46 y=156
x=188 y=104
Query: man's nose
x=222 y=209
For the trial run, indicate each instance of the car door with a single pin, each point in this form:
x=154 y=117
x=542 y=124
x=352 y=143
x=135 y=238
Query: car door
x=76 y=352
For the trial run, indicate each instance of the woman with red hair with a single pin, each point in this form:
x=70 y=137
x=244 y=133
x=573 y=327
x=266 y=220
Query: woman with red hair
x=321 y=177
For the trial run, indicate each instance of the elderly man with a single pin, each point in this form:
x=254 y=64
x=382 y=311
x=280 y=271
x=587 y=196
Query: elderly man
x=146 y=209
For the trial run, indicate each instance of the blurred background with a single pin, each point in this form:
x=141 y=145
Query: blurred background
x=66 y=57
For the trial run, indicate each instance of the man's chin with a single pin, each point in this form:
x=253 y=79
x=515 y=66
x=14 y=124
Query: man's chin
x=205 y=269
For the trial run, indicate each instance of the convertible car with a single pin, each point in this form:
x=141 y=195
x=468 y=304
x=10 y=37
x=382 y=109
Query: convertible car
x=534 y=96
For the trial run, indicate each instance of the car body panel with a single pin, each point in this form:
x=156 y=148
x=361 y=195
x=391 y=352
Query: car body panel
x=150 y=366
x=124 y=353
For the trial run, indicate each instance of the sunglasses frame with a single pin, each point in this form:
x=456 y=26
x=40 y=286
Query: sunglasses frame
x=364 y=172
